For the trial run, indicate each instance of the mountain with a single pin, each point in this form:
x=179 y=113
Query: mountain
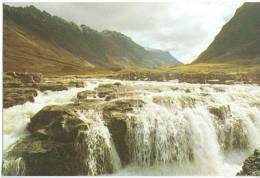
x=239 y=39
x=34 y=41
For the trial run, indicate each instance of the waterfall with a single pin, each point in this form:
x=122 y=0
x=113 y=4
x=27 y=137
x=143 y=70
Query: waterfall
x=14 y=167
x=94 y=146
x=17 y=117
x=182 y=129
x=162 y=136
x=177 y=128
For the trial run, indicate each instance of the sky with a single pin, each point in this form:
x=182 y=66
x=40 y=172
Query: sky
x=184 y=28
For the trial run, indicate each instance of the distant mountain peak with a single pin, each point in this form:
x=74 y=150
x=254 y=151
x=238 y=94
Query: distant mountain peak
x=239 y=39
x=35 y=37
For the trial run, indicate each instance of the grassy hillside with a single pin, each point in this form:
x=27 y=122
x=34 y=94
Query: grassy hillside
x=239 y=39
x=37 y=41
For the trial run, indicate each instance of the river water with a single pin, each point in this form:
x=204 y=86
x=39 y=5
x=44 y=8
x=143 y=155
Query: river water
x=183 y=129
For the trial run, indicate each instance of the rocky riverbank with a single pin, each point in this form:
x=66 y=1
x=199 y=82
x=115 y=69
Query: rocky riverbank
x=58 y=135
x=187 y=77
x=19 y=88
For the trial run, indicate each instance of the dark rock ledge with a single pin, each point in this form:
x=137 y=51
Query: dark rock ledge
x=251 y=166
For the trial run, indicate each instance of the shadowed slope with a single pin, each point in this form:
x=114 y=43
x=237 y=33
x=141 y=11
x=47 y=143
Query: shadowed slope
x=239 y=39
x=37 y=41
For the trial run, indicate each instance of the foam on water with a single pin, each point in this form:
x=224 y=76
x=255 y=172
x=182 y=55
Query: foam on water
x=17 y=117
x=174 y=133
x=94 y=146
x=179 y=136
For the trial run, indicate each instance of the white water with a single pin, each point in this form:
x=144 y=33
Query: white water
x=179 y=136
x=95 y=147
x=175 y=134
x=17 y=117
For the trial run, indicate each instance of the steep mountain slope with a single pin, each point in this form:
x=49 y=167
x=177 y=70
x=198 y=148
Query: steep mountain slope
x=37 y=41
x=239 y=39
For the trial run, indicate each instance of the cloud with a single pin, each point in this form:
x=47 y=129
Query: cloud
x=185 y=28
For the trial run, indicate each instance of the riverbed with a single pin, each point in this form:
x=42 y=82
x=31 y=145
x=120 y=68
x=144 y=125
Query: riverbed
x=181 y=128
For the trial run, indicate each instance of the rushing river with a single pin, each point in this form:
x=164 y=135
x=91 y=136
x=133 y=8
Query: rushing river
x=177 y=132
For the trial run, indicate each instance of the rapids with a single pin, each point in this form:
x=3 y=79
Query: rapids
x=183 y=129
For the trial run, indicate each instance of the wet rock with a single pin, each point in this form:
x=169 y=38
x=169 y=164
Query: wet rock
x=87 y=94
x=116 y=117
x=59 y=123
x=19 y=87
x=220 y=111
x=123 y=105
x=30 y=77
x=118 y=128
x=76 y=83
x=42 y=158
x=105 y=90
x=251 y=166
x=11 y=74
x=60 y=144
x=9 y=102
x=11 y=84
x=164 y=100
x=187 y=101
x=127 y=94
x=17 y=96
x=117 y=125
x=235 y=134
x=51 y=87
x=25 y=77
x=117 y=83
x=102 y=93
x=257 y=152
x=219 y=89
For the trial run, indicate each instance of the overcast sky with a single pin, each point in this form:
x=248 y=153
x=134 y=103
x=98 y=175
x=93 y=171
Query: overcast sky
x=185 y=28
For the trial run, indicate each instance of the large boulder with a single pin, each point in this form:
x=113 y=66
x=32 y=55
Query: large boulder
x=62 y=141
x=117 y=120
x=38 y=157
x=59 y=123
x=105 y=90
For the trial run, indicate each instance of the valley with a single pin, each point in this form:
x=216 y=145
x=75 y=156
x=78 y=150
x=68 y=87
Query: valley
x=79 y=101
